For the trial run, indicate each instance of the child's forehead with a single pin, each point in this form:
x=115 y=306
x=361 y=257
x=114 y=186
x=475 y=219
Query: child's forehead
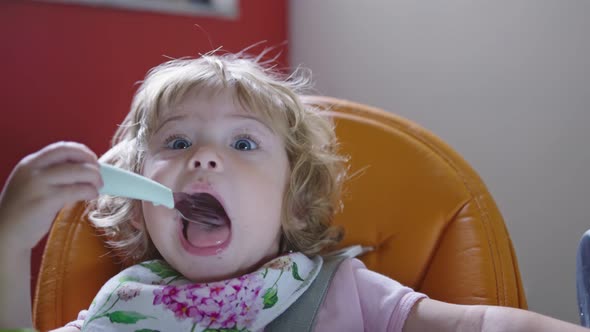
x=208 y=103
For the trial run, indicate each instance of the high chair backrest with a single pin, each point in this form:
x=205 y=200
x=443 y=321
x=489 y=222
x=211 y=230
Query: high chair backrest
x=433 y=224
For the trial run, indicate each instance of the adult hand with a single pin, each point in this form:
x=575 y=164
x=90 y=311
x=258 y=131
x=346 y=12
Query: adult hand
x=40 y=185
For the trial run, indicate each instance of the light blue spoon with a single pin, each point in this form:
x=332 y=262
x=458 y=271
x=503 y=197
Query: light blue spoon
x=120 y=182
x=198 y=208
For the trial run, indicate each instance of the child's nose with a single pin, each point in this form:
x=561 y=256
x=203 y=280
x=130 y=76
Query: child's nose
x=206 y=158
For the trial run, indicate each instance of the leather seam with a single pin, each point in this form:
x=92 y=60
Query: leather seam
x=437 y=245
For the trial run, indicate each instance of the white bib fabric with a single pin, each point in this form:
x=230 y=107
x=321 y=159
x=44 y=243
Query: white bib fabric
x=151 y=296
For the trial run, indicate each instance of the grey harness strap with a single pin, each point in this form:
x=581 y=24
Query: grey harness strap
x=301 y=315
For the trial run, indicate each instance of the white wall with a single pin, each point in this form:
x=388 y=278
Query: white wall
x=507 y=83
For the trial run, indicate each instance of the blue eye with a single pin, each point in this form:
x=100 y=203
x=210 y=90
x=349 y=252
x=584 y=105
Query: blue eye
x=178 y=144
x=245 y=144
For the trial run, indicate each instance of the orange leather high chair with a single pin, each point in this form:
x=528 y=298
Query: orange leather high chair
x=430 y=218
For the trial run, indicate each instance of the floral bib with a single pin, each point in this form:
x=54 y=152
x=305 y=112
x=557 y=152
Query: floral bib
x=151 y=296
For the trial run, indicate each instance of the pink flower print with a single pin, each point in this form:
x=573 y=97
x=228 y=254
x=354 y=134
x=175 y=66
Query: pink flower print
x=248 y=312
x=236 y=284
x=127 y=292
x=217 y=288
x=250 y=303
x=250 y=292
x=229 y=293
x=194 y=314
x=213 y=321
x=179 y=309
x=166 y=296
x=196 y=292
x=230 y=320
x=231 y=304
x=210 y=307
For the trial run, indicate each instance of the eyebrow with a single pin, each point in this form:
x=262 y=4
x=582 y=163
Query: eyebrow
x=239 y=116
x=170 y=119
x=254 y=118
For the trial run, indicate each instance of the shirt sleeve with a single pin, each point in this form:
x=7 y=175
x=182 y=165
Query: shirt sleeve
x=359 y=299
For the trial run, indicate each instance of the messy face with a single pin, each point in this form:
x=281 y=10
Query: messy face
x=208 y=144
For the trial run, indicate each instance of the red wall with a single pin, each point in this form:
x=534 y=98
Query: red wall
x=68 y=72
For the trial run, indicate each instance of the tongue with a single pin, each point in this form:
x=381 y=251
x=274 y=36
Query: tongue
x=203 y=236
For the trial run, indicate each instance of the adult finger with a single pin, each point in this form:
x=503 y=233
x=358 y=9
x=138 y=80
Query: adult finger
x=60 y=152
x=70 y=173
x=75 y=192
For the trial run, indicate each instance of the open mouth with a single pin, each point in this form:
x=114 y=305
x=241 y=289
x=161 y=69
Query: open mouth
x=210 y=227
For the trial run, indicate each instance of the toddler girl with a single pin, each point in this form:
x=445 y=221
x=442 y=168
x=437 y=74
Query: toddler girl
x=233 y=132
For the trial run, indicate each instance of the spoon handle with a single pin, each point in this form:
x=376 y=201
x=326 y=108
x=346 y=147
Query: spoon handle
x=119 y=182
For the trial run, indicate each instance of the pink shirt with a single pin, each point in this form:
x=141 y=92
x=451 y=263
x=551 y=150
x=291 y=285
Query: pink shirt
x=363 y=300
x=358 y=299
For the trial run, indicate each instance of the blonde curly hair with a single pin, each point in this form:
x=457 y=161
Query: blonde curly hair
x=312 y=195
